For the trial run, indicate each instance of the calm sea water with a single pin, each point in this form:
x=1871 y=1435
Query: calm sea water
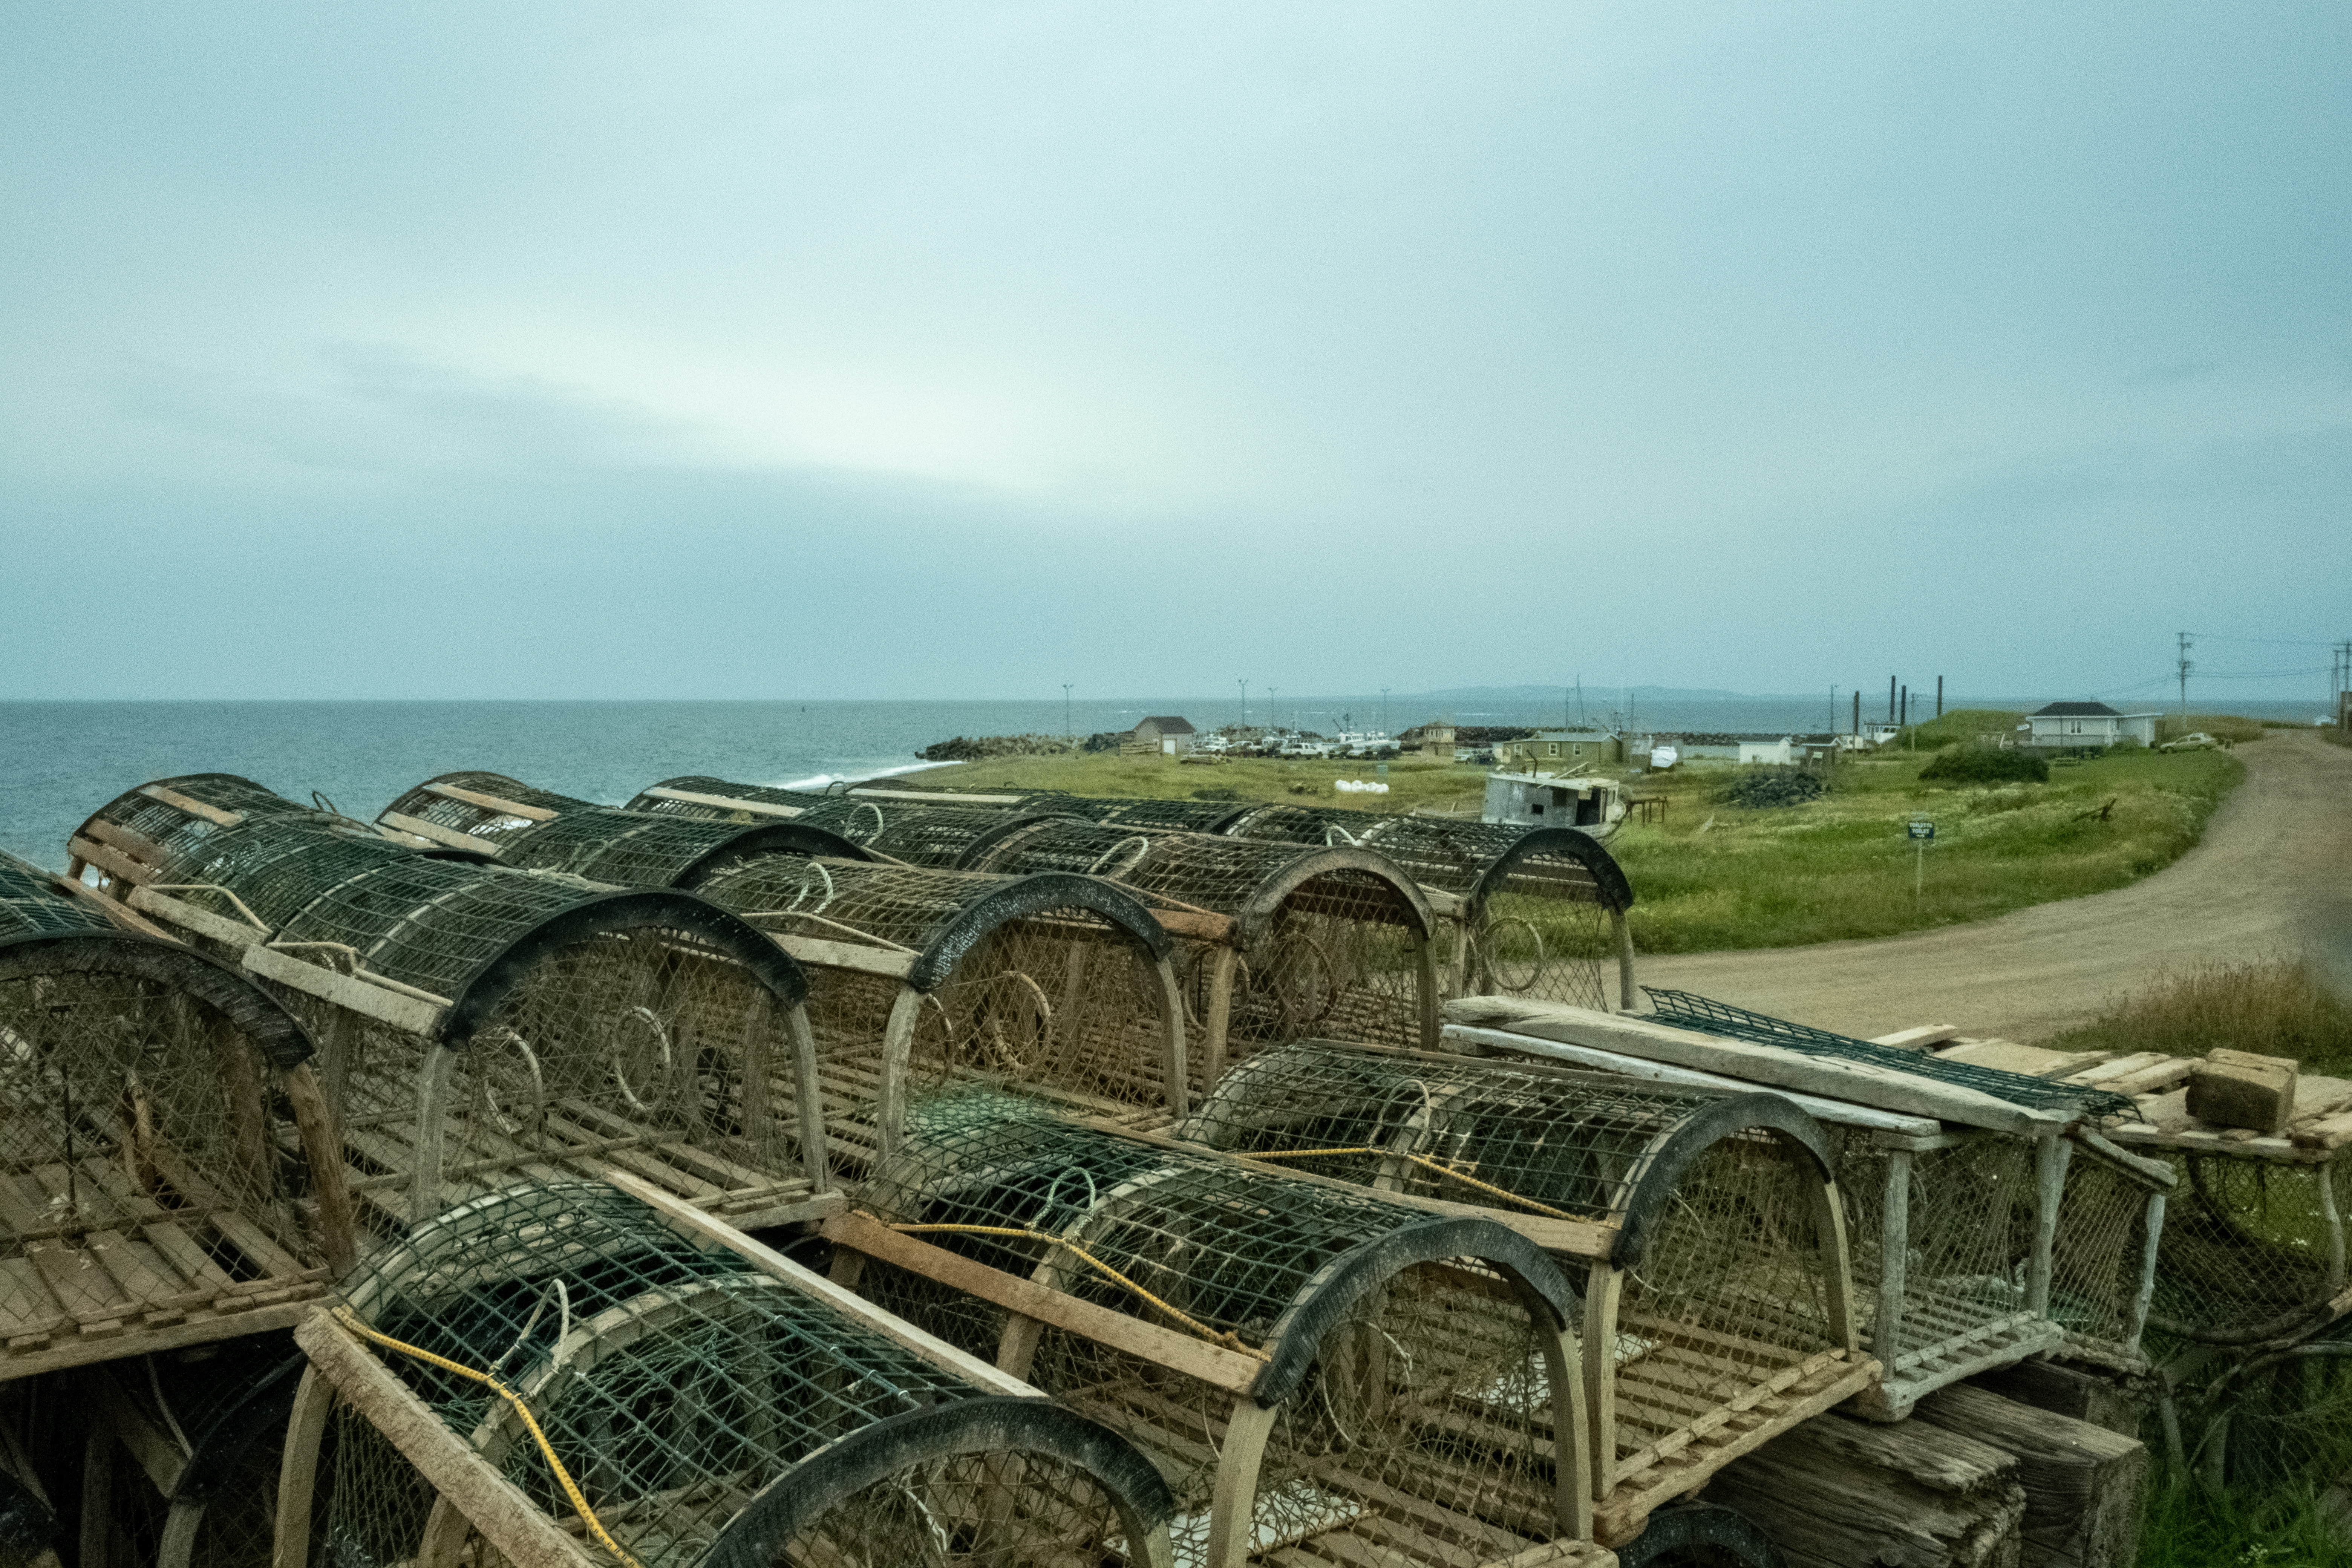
x=61 y=760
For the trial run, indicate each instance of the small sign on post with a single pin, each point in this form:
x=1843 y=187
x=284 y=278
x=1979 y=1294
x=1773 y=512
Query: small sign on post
x=1923 y=832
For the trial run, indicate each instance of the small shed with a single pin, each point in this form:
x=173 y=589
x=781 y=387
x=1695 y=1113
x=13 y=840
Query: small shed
x=1552 y=800
x=1163 y=734
x=1551 y=751
x=2070 y=726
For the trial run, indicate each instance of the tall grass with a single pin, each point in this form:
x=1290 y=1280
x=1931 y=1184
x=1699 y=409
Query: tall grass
x=2276 y=1006
x=2187 y=1526
x=2227 y=727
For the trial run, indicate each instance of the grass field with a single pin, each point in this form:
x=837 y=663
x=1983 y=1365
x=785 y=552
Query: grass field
x=1710 y=875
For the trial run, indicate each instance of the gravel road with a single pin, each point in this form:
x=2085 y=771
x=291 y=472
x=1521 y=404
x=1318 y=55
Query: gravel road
x=2273 y=875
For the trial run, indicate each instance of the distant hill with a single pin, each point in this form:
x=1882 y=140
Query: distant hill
x=1591 y=694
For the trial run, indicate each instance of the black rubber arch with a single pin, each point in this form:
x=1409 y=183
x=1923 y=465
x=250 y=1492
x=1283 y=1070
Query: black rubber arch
x=768 y=839
x=1033 y=895
x=602 y=914
x=1791 y=1125
x=1568 y=843
x=977 y=851
x=279 y=1036
x=260 y=1406
x=985 y=1423
x=1269 y=896
x=1323 y=1302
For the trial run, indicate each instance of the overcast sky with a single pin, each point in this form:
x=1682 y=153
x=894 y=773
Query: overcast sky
x=874 y=350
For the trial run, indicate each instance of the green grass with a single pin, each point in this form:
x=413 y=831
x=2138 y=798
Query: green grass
x=2186 y=1527
x=1414 y=782
x=1711 y=877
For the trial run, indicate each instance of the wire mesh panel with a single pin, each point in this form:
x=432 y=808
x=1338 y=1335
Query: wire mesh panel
x=167 y=1170
x=724 y=800
x=537 y=829
x=1325 y=1375
x=1322 y=941
x=1053 y=984
x=476 y=1021
x=1720 y=1279
x=683 y=1407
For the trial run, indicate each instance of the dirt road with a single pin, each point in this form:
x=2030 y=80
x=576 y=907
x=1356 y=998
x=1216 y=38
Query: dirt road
x=2273 y=875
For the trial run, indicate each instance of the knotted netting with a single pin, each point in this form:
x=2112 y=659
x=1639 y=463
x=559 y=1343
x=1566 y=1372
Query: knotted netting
x=688 y=1407
x=476 y=1021
x=1052 y=984
x=537 y=829
x=161 y=1170
x=1323 y=941
x=1717 y=1268
x=1324 y=1376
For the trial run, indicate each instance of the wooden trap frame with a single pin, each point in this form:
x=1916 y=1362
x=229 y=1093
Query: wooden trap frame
x=1705 y=1229
x=694 y=1398
x=1051 y=984
x=521 y=825
x=168 y=1171
x=1985 y=1229
x=1325 y=1376
x=479 y=1023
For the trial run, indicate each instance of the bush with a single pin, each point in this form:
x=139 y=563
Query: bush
x=2275 y=1008
x=1985 y=765
x=1757 y=789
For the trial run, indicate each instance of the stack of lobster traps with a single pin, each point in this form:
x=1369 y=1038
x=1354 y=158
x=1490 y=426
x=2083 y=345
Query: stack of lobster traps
x=1991 y=1220
x=477 y=1023
x=168 y=1169
x=1324 y=1376
x=1702 y=1230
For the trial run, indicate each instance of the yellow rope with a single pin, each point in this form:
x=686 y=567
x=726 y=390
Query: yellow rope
x=1226 y=1337
x=1440 y=1167
x=346 y=1317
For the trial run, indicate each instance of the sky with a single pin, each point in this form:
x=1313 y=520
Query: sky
x=885 y=349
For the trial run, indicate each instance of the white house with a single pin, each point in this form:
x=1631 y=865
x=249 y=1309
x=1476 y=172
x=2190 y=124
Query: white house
x=2066 y=725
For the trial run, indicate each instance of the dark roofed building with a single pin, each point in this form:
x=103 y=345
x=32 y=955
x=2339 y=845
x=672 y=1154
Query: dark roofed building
x=1161 y=735
x=2066 y=725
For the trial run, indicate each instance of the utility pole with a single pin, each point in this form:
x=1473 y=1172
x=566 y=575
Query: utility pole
x=1384 y=713
x=1857 y=713
x=1066 y=732
x=1939 y=697
x=2185 y=666
x=1245 y=686
x=1579 y=698
x=1832 y=710
x=1903 y=715
x=1273 y=714
x=1890 y=699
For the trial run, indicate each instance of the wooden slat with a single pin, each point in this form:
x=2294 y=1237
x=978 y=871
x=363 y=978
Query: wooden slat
x=224 y=929
x=894 y=962
x=492 y=803
x=449 y=837
x=119 y=913
x=402 y=1012
x=191 y=806
x=1918 y=1039
x=1186 y=1354
x=728 y=803
x=112 y=861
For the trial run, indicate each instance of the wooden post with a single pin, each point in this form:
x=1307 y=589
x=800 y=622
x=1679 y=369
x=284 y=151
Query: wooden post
x=1894 y=1248
x=297 y=1468
x=2328 y=1212
x=1603 y=1287
x=808 y=1089
x=1173 y=1065
x=2050 y=1157
x=2144 y=1294
x=432 y=1132
x=1623 y=933
x=2084 y=1484
x=1837 y=1258
x=1233 y=1504
x=897 y=1050
x=322 y=1148
x=1425 y=968
x=1220 y=1011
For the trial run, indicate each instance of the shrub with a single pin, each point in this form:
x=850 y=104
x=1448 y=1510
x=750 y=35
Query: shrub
x=1983 y=765
x=1759 y=788
x=2276 y=1007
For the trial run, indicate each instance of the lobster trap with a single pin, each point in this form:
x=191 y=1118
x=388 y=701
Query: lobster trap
x=1705 y=1229
x=2001 y=1229
x=1052 y=984
x=1298 y=941
x=168 y=1168
x=539 y=830
x=477 y=1023
x=916 y=827
x=559 y=1374
x=1325 y=1376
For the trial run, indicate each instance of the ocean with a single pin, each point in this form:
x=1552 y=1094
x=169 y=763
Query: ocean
x=61 y=760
